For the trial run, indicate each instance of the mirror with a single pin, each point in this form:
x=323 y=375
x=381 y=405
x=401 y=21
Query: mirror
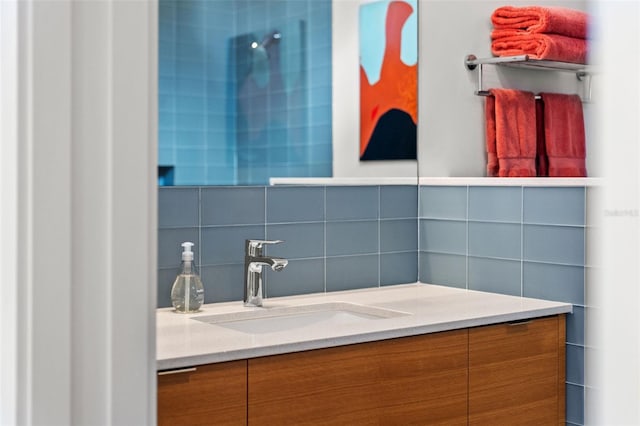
x=453 y=141
x=255 y=89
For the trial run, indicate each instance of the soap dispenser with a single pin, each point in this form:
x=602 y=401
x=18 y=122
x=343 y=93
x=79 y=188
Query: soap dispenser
x=187 y=293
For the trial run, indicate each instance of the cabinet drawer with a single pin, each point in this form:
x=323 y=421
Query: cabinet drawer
x=415 y=380
x=516 y=373
x=208 y=394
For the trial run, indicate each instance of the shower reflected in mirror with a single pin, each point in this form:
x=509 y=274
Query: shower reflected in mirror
x=245 y=91
x=260 y=58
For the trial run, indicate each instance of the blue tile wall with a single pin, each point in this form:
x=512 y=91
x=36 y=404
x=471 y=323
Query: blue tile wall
x=350 y=246
x=232 y=206
x=443 y=202
x=521 y=241
x=202 y=128
x=295 y=204
x=398 y=235
x=556 y=206
x=494 y=240
x=443 y=269
x=495 y=204
x=288 y=282
x=350 y=272
x=341 y=205
x=575 y=404
x=495 y=275
x=399 y=267
x=398 y=202
x=443 y=236
x=179 y=208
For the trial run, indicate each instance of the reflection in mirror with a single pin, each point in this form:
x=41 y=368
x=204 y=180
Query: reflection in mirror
x=244 y=91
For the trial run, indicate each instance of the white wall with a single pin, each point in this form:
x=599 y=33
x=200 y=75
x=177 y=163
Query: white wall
x=450 y=116
x=79 y=92
x=613 y=377
x=346 y=101
x=8 y=212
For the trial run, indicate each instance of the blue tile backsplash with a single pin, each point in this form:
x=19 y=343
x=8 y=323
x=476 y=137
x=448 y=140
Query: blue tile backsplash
x=495 y=204
x=495 y=275
x=341 y=205
x=334 y=236
x=494 y=240
x=512 y=240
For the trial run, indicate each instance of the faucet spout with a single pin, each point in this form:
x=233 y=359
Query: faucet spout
x=275 y=263
x=254 y=260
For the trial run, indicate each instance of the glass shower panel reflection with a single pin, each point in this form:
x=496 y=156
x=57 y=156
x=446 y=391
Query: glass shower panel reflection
x=271 y=104
x=244 y=91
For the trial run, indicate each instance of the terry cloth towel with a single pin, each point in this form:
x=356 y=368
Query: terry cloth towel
x=564 y=135
x=552 y=47
x=511 y=133
x=490 y=118
x=538 y=19
x=542 y=162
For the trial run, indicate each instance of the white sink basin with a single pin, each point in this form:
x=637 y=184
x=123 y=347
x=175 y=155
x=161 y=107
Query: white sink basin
x=275 y=319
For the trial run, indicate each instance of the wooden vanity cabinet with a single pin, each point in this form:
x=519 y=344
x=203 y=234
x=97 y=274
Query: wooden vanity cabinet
x=204 y=395
x=517 y=373
x=511 y=373
x=414 y=380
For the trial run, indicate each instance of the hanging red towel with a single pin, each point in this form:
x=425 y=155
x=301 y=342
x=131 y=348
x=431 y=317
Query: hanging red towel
x=542 y=162
x=511 y=129
x=540 y=19
x=564 y=135
x=492 y=156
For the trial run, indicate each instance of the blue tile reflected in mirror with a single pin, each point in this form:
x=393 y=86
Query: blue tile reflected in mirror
x=244 y=91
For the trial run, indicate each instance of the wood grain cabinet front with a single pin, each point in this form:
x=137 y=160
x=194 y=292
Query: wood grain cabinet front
x=414 y=380
x=213 y=394
x=517 y=373
x=504 y=374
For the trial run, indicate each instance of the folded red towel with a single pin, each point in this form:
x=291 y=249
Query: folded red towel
x=538 y=19
x=551 y=47
x=511 y=129
x=564 y=135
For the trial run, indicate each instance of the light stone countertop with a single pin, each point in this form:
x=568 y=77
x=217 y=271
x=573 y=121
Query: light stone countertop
x=185 y=342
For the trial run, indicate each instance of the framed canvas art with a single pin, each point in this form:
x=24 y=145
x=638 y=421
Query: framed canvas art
x=388 y=80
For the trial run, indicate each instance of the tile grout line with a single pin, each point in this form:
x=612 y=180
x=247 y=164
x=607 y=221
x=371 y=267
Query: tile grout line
x=585 y=299
x=584 y=239
x=466 y=257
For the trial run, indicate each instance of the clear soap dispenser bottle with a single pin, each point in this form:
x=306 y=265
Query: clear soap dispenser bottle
x=187 y=293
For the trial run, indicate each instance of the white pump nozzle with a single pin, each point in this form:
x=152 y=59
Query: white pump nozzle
x=187 y=254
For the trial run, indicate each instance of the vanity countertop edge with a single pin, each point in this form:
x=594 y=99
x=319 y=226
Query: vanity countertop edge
x=183 y=342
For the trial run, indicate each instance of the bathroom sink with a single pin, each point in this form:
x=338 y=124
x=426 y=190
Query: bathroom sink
x=276 y=319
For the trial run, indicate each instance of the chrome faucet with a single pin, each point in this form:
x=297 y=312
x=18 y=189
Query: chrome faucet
x=254 y=260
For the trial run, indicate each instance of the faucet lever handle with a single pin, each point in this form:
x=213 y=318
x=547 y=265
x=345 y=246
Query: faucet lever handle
x=254 y=247
x=258 y=244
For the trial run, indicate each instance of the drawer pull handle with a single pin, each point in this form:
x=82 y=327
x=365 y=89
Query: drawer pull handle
x=518 y=322
x=179 y=371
